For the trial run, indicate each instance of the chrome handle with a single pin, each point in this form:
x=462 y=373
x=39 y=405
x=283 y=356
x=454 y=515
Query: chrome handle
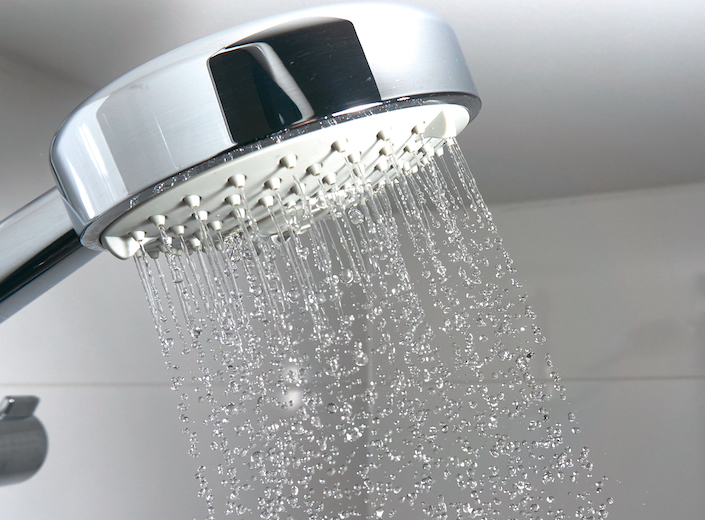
x=39 y=249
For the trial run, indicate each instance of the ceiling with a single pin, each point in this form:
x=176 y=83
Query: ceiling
x=578 y=97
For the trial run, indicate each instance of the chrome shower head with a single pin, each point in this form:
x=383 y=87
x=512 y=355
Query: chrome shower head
x=257 y=112
x=231 y=104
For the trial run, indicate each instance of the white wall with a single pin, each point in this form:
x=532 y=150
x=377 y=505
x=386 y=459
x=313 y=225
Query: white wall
x=618 y=282
x=32 y=106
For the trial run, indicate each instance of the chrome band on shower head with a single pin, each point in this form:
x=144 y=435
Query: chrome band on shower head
x=243 y=85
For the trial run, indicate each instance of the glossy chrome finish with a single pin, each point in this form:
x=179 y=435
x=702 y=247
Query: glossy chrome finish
x=23 y=440
x=243 y=85
x=35 y=242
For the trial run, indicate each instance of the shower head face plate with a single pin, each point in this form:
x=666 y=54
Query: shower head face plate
x=289 y=173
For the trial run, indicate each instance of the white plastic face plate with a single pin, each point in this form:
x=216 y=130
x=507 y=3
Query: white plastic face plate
x=311 y=161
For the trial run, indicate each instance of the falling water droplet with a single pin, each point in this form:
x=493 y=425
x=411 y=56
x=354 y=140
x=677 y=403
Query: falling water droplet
x=356 y=216
x=361 y=358
x=347 y=276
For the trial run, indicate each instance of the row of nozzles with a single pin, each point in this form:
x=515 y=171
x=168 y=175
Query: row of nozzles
x=268 y=184
x=240 y=214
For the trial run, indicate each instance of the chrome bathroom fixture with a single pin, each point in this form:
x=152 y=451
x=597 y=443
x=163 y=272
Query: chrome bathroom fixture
x=307 y=92
x=23 y=440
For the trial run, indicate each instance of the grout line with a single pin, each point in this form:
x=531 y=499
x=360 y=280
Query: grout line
x=614 y=379
x=633 y=378
x=163 y=384
x=96 y=384
x=166 y=384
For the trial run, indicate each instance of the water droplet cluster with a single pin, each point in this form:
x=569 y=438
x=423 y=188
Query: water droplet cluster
x=373 y=357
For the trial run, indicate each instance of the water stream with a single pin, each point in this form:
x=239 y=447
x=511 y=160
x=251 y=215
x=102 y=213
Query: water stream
x=382 y=362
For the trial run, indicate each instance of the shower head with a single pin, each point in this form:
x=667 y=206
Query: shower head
x=264 y=107
x=274 y=109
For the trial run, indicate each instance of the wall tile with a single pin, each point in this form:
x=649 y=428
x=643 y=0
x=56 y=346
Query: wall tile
x=114 y=453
